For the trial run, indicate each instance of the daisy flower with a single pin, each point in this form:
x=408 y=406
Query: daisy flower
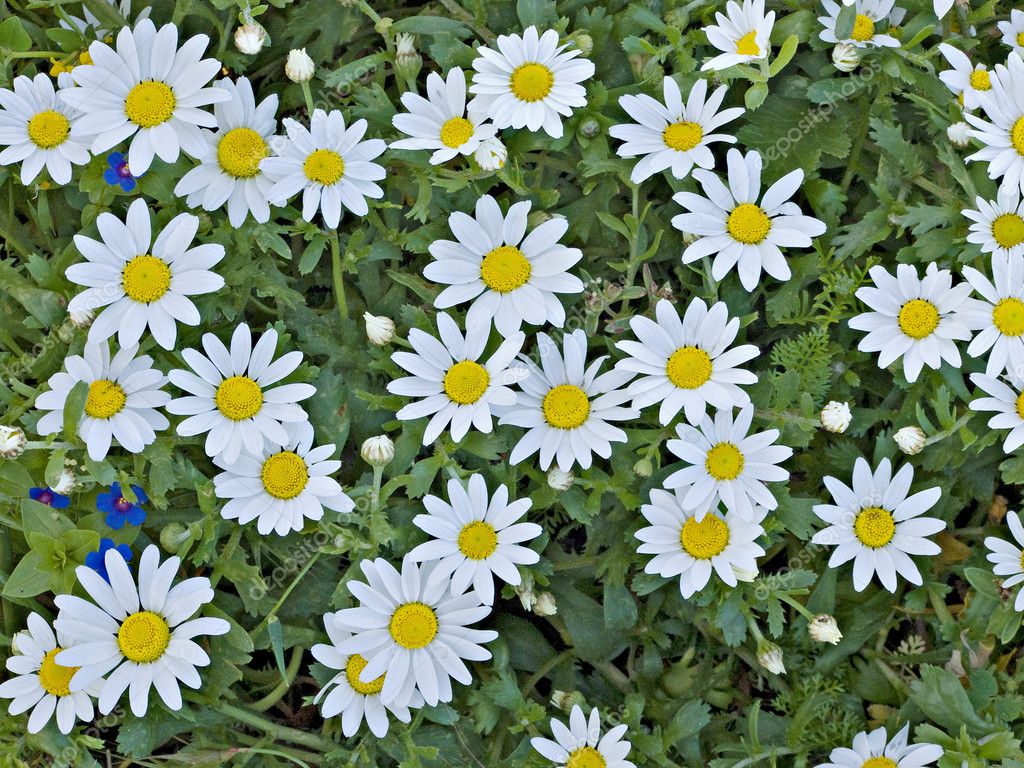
x=869 y=14
x=118 y=511
x=685 y=364
x=40 y=683
x=146 y=88
x=727 y=463
x=509 y=276
x=439 y=122
x=693 y=549
x=1006 y=400
x=999 y=316
x=36 y=129
x=877 y=525
x=230 y=173
x=871 y=750
x=329 y=164
x=1003 y=132
x=999 y=226
x=1007 y=559
x=412 y=626
x=136 y=638
x=968 y=81
x=1013 y=30
x=912 y=318
x=230 y=394
x=738 y=229
x=283 y=486
x=346 y=695
x=742 y=34
x=529 y=81
x=123 y=396
x=475 y=536
x=581 y=744
x=455 y=389
x=566 y=406
x=673 y=135
x=141 y=282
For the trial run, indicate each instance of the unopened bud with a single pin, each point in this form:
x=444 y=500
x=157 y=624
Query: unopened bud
x=250 y=38
x=377 y=451
x=12 y=442
x=845 y=57
x=559 y=480
x=910 y=440
x=299 y=67
x=380 y=330
x=824 y=629
x=835 y=417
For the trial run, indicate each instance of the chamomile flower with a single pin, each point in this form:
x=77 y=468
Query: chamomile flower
x=871 y=750
x=1006 y=400
x=41 y=684
x=968 y=81
x=1013 y=30
x=283 y=486
x=475 y=536
x=439 y=122
x=121 y=404
x=581 y=745
x=35 y=127
x=686 y=363
x=231 y=397
x=530 y=81
x=329 y=164
x=147 y=88
x=347 y=695
x=877 y=525
x=230 y=173
x=742 y=34
x=1007 y=560
x=414 y=628
x=510 y=276
x=999 y=225
x=142 y=282
x=693 y=548
x=741 y=228
x=869 y=14
x=674 y=135
x=1003 y=132
x=566 y=405
x=727 y=463
x=136 y=637
x=912 y=318
x=999 y=315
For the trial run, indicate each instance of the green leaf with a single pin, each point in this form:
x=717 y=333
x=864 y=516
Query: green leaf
x=785 y=55
x=29 y=578
x=13 y=36
x=74 y=407
x=943 y=699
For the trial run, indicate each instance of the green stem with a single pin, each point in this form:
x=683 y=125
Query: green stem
x=279 y=732
x=282 y=688
x=800 y=607
x=308 y=96
x=336 y=273
x=284 y=595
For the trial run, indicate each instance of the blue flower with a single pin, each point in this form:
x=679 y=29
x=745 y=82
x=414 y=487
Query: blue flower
x=119 y=510
x=118 y=173
x=98 y=560
x=48 y=497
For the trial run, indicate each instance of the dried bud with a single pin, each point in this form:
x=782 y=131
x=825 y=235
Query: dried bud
x=378 y=451
x=910 y=440
x=491 y=155
x=299 y=67
x=545 y=605
x=846 y=57
x=250 y=38
x=12 y=442
x=959 y=134
x=835 y=417
x=66 y=482
x=769 y=656
x=559 y=480
x=823 y=629
x=380 y=330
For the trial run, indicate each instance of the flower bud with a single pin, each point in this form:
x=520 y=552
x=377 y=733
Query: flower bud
x=380 y=330
x=250 y=38
x=959 y=134
x=12 y=442
x=526 y=594
x=823 y=629
x=585 y=43
x=545 y=605
x=66 y=482
x=491 y=155
x=377 y=451
x=742 y=574
x=566 y=700
x=644 y=467
x=769 y=656
x=835 y=417
x=589 y=128
x=845 y=57
x=299 y=67
x=408 y=62
x=559 y=480
x=910 y=440
x=82 y=318
x=173 y=536
x=383 y=25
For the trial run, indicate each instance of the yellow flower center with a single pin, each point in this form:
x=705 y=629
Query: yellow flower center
x=143 y=637
x=689 y=367
x=145 y=278
x=747 y=45
x=105 y=399
x=238 y=398
x=413 y=625
x=353 y=668
x=54 y=678
x=874 y=527
x=1020 y=405
x=863 y=28
x=478 y=540
x=149 y=103
x=585 y=757
x=682 y=136
x=748 y=224
x=566 y=407
x=324 y=166
x=1017 y=136
x=1020 y=38
x=980 y=80
x=1008 y=316
x=48 y=129
x=505 y=268
x=466 y=382
x=705 y=539
x=879 y=762
x=284 y=475
x=1008 y=230
x=918 y=318
x=240 y=151
x=724 y=461
x=456 y=132
x=531 y=82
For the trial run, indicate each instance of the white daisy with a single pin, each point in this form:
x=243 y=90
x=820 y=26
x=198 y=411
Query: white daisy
x=231 y=398
x=871 y=750
x=942 y=7
x=742 y=34
x=912 y=318
x=727 y=463
x=230 y=173
x=999 y=226
x=475 y=536
x=529 y=81
x=692 y=549
x=968 y=81
x=123 y=395
x=347 y=695
x=566 y=406
x=581 y=744
x=1000 y=316
x=328 y=163
x=869 y=14
x=136 y=638
x=1006 y=400
x=740 y=231
x=40 y=683
x=283 y=486
x=36 y=129
x=1013 y=30
x=439 y=122
x=412 y=626
x=673 y=135
x=877 y=525
x=1003 y=132
x=142 y=282
x=148 y=88
x=686 y=364
x=1007 y=560
x=510 y=277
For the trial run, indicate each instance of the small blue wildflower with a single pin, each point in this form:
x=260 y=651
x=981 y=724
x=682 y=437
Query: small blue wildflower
x=118 y=173
x=119 y=510
x=49 y=497
x=98 y=560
